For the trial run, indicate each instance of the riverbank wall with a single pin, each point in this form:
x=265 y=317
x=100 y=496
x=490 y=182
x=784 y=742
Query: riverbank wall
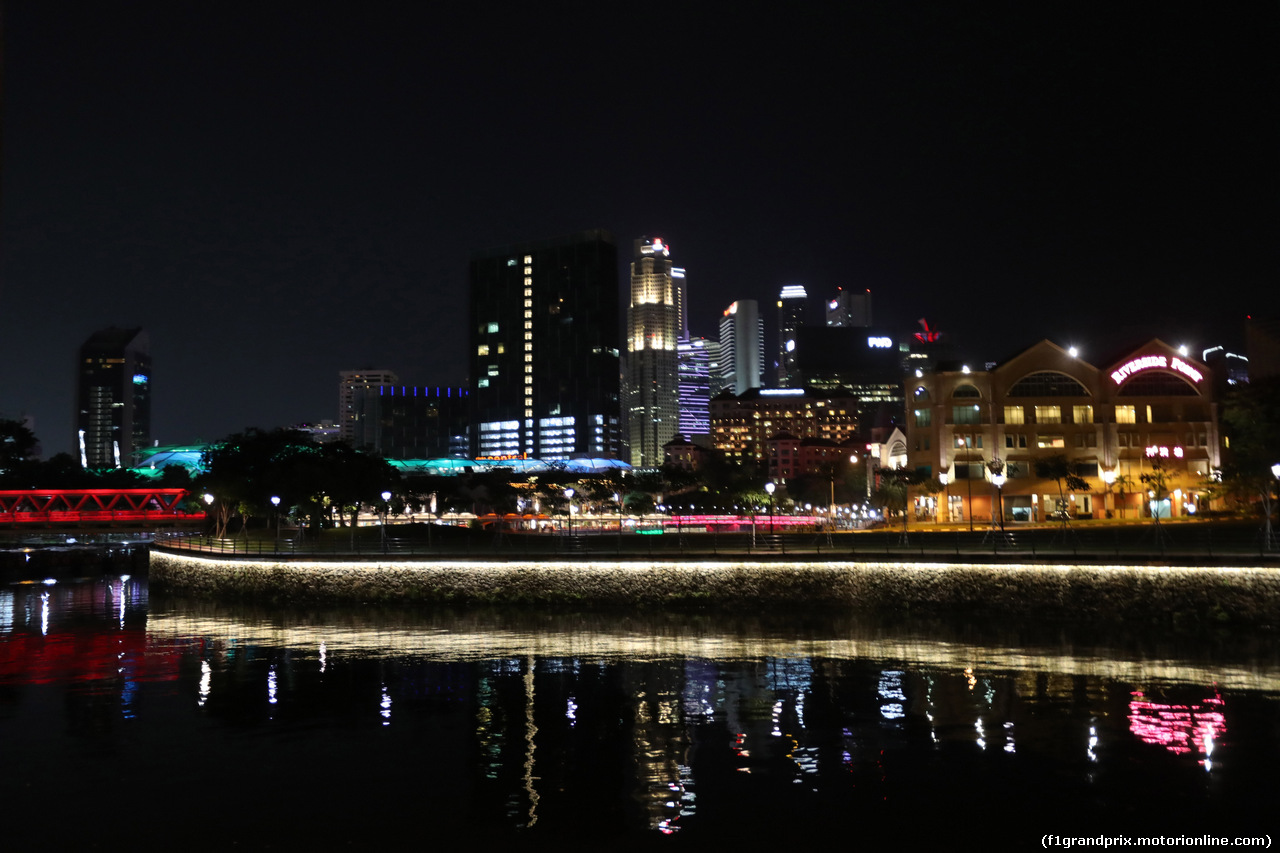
x=1185 y=595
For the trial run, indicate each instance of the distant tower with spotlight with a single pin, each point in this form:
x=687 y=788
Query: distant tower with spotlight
x=792 y=304
x=113 y=419
x=742 y=346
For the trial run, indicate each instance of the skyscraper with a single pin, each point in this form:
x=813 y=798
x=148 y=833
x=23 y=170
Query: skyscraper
x=695 y=357
x=655 y=324
x=113 y=420
x=792 y=304
x=849 y=309
x=354 y=424
x=742 y=346
x=544 y=357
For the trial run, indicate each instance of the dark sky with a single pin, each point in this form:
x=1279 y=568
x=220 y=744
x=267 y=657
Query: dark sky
x=279 y=191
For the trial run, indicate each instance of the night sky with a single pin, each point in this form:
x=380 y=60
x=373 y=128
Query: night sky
x=279 y=191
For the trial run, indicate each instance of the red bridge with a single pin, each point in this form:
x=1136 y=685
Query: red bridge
x=50 y=507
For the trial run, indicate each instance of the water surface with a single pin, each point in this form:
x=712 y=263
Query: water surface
x=148 y=721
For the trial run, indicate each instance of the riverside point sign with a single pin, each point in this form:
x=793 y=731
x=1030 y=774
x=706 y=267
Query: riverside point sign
x=1150 y=362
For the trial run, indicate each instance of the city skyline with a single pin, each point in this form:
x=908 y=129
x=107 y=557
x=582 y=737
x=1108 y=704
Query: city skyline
x=296 y=190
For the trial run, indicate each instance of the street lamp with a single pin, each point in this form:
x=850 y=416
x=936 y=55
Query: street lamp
x=568 y=493
x=275 y=502
x=997 y=480
x=769 y=487
x=386 y=496
x=1109 y=478
x=946 y=496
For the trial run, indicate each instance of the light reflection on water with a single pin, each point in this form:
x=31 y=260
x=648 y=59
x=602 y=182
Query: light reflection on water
x=571 y=725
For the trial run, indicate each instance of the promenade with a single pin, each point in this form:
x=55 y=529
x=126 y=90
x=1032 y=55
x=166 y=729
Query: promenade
x=1206 y=583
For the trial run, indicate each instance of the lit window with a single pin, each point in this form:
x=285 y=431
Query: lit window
x=483 y=349
x=1082 y=414
x=493 y=370
x=501 y=349
x=528 y=270
x=1050 y=441
x=1126 y=414
x=528 y=259
x=1048 y=414
x=493 y=328
x=483 y=383
x=1014 y=415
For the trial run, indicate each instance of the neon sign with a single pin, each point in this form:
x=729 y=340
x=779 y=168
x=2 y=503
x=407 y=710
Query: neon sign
x=1155 y=362
x=1164 y=452
x=879 y=343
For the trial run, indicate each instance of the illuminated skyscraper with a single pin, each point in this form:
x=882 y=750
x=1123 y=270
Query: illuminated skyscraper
x=742 y=346
x=696 y=356
x=544 y=349
x=792 y=303
x=656 y=323
x=113 y=421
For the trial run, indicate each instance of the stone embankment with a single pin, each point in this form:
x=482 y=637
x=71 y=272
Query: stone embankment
x=1190 y=595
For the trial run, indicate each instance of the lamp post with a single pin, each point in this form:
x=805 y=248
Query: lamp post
x=997 y=480
x=946 y=496
x=275 y=502
x=386 y=496
x=568 y=493
x=1109 y=478
x=769 y=487
x=617 y=498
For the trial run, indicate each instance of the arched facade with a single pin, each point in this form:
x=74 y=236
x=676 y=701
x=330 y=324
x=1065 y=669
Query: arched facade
x=1154 y=407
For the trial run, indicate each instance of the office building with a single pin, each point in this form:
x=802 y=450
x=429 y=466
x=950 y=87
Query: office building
x=354 y=426
x=792 y=304
x=656 y=323
x=405 y=422
x=849 y=308
x=695 y=357
x=113 y=421
x=544 y=360
x=742 y=346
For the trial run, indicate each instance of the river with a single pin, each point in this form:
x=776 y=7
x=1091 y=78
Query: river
x=131 y=719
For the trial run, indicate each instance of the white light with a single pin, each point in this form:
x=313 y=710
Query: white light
x=1073 y=352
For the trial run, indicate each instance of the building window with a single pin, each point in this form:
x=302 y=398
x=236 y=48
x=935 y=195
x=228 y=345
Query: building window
x=1014 y=415
x=965 y=415
x=483 y=349
x=1048 y=414
x=1082 y=414
x=924 y=417
x=492 y=328
x=1126 y=414
x=1050 y=441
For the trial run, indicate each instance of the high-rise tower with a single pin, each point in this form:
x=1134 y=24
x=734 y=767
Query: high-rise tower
x=849 y=309
x=792 y=303
x=544 y=349
x=113 y=420
x=742 y=346
x=354 y=424
x=656 y=324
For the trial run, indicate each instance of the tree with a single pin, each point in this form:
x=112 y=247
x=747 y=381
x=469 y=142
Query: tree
x=1251 y=421
x=894 y=492
x=1059 y=469
x=17 y=444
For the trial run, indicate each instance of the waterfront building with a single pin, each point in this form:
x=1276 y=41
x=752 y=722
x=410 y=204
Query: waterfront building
x=656 y=323
x=1151 y=409
x=742 y=346
x=354 y=427
x=792 y=305
x=544 y=361
x=113 y=398
x=742 y=424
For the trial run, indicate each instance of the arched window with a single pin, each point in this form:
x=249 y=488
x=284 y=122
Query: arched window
x=1156 y=384
x=1048 y=383
x=922 y=393
x=966 y=391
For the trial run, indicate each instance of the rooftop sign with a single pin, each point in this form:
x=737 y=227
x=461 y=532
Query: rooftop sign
x=1155 y=362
